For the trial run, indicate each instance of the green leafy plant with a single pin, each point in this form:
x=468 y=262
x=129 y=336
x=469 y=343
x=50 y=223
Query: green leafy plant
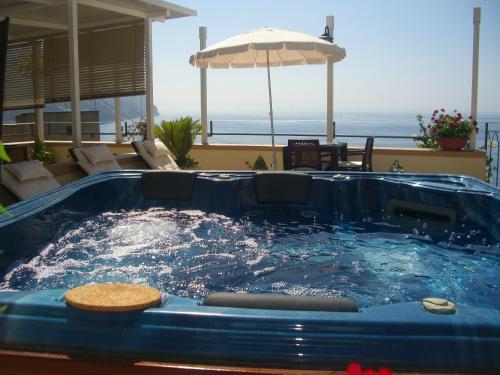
x=4 y=157
x=443 y=125
x=426 y=140
x=258 y=165
x=179 y=135
x=42 y=152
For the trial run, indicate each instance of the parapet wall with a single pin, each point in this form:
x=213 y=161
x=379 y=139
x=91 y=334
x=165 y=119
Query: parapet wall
x=240 y=157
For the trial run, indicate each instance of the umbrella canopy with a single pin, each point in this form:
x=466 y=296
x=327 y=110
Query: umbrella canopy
x=285 y=48
x=268 y=47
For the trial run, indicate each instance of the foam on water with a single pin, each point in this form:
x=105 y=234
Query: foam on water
x=191 y=253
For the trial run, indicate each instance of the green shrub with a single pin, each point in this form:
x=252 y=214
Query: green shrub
x=42 y=152
x=178 y=135
x=260 y=164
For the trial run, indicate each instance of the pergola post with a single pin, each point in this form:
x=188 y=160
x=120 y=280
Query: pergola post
x=329 y=88
x=118 y=120
x=149 y=79
x=39 y=123
x=74 y=72
x=475 y=67
x=203 y=89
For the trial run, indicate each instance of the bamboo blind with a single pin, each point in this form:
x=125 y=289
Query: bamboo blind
x=112 y=64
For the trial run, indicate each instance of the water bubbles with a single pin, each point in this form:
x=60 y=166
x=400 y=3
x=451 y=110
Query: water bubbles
x=191 y=253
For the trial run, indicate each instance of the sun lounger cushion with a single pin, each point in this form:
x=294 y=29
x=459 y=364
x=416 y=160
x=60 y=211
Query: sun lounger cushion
x=89 y=167
x=156 y=149
x=98 y=154
x=27 y=186
x=163 y=161
x=28 y=170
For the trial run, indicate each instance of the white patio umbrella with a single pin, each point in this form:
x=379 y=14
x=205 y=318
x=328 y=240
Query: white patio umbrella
x=268 y=47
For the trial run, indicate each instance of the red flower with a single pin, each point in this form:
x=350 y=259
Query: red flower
x=459 y=115
x=434 y=113
x=429 y=126
x=354 y=369
x=384 y=371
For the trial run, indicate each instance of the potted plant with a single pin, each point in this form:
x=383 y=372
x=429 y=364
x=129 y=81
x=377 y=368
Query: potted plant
x=178 y=135
x=450 y=132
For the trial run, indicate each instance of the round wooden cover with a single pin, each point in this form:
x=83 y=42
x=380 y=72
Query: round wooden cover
x=438 y=305
x=113 y=297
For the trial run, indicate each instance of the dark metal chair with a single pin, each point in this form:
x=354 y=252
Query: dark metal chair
x=365 y=164
x=304 y=154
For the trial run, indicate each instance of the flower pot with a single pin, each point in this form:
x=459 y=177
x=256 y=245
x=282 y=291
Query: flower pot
x=452 y=144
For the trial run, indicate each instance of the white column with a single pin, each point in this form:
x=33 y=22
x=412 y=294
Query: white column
x=74 y=72
x=149 y=79
x=475 y=66
x=39 y=123
x=203 y=89
x=329 y=89
x=118 y=120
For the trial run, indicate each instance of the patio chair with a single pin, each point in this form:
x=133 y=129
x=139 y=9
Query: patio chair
x=304 y=154
x=27 y=179
x=156 y=155
x=94 y=159
x=365 y=164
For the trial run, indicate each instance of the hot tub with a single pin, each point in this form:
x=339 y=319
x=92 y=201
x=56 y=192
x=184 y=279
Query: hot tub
x=378 y=242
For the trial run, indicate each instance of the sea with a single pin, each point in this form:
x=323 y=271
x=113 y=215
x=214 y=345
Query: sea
x=351 y=127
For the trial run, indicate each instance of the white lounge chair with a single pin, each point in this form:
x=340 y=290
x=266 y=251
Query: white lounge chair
x=95 y=159
x=156 y=155
x=27 y=179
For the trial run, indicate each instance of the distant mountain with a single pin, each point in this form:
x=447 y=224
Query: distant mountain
x=132 y=107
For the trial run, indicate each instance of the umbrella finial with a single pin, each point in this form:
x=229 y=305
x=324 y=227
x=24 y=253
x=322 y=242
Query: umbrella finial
x=326 y=35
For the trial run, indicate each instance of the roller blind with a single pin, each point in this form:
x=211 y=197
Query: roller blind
x=23 y=75
x=112 y=64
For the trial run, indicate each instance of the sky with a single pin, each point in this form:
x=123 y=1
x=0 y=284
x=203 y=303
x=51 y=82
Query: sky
x=401 y=56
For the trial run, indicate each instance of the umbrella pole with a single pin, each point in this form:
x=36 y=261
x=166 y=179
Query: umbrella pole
x=271 y=109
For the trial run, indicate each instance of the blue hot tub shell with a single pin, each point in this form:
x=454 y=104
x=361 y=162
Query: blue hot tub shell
x=400 y=336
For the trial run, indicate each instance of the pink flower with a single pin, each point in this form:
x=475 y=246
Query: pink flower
x=442 y=109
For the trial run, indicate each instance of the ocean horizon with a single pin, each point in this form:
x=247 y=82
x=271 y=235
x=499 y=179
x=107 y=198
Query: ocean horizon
x=351 y=127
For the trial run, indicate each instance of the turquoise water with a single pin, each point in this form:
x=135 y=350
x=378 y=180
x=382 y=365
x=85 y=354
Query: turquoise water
x=191 y=253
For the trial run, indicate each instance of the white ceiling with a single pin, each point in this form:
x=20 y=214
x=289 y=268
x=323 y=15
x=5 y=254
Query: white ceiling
x=30 y=18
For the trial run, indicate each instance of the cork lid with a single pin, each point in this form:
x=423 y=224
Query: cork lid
x=438 y=305
x=113 y=297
